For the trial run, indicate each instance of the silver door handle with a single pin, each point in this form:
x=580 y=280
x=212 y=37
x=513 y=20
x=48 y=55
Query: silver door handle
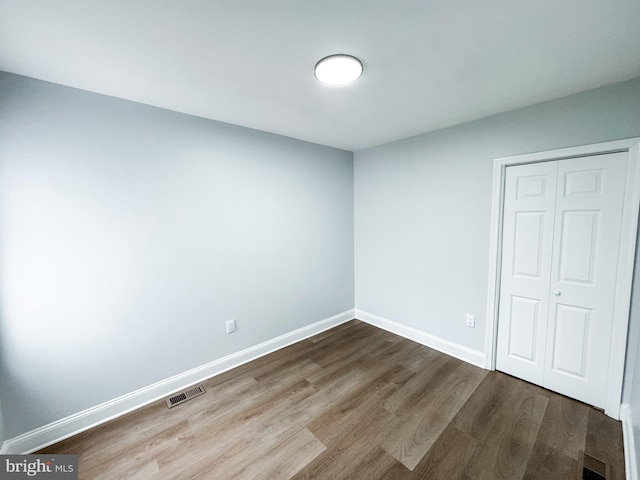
x=556 y=293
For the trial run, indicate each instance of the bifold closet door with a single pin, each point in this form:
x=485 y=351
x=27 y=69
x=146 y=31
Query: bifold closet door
x=528 y=220
x=555 y=330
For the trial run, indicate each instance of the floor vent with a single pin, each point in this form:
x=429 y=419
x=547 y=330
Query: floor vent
x=184 y=396
x=593 y=469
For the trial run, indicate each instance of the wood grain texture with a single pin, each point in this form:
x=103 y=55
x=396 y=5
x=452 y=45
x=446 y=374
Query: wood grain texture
x=285 y=459
x=427 y=418
x=354 y=402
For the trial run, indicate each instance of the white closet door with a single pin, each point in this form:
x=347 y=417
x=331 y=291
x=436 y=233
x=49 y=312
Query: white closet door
x=589 y=201
x=526 y=269
x=561 y=237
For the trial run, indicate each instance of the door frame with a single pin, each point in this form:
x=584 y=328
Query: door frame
x=626 y=258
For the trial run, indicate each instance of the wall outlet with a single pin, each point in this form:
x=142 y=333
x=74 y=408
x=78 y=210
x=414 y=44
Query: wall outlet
x=231 y=326
x=471 y=320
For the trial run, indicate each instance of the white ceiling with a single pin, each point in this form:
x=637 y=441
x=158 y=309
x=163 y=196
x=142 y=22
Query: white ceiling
x=428 y=64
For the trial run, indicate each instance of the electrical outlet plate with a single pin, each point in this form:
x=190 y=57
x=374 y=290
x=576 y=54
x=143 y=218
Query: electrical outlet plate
x=231 y=326
x=471 y=320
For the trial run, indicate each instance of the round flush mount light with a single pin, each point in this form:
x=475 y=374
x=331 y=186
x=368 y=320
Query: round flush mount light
x=338 y=70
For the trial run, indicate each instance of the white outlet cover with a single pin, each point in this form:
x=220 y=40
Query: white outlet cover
x=471 y=320
x=231 y=326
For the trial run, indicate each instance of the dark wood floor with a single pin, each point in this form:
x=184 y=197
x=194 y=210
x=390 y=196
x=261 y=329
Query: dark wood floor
x=354 y=402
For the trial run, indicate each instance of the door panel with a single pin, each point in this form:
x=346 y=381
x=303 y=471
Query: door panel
x=584 y=266
x=532 y=186
x=526 y=269
x=571 y=340
x=525 y=315
x=527 y=250
x=579 y=231
x=583 y=182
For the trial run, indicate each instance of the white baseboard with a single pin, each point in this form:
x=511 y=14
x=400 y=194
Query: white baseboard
x=54 y=432
x=445 y=346
x=630 y=459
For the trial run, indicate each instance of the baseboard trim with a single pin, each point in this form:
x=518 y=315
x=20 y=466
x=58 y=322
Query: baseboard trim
x=630 y=459
x=461 y=352
x=54 y=432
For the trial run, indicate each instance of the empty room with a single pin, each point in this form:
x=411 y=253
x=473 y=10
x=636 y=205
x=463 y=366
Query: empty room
x=319 y=239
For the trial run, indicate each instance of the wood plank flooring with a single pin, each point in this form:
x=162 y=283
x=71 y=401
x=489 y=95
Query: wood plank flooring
x=354 y=402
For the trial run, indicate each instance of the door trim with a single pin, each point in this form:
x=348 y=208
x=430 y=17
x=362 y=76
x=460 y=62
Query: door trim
x=626 y=259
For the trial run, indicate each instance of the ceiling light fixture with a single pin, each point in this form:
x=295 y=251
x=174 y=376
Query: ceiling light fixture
x=338 y=70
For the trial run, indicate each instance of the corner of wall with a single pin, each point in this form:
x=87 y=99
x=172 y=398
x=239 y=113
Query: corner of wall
x=447 y=347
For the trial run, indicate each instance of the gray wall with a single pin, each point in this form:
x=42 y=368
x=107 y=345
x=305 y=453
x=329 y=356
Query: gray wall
x=130 y=234
x=423 y=206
